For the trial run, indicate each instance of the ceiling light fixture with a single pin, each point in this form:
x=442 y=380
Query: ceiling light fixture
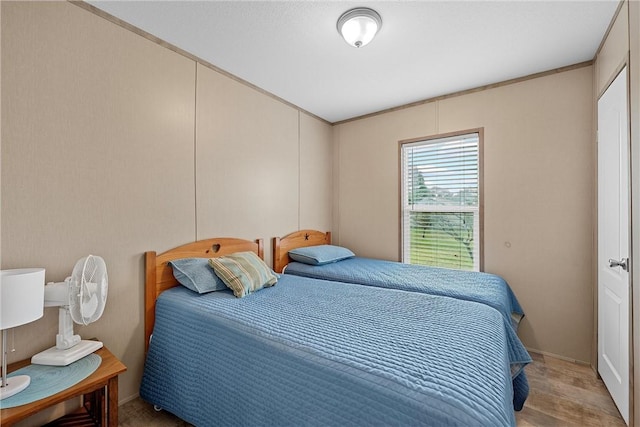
x=359 y=26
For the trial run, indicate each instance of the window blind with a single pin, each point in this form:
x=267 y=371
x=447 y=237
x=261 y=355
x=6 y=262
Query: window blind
x=441 y=202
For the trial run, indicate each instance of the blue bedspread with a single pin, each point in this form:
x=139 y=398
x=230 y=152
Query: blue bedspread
x=313 y=352
x=484 y=288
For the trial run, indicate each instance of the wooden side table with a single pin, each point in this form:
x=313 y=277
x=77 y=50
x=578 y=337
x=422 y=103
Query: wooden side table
x=99 y=391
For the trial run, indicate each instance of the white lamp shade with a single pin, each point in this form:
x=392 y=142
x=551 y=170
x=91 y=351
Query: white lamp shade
x=359 y=26
x=21 y=296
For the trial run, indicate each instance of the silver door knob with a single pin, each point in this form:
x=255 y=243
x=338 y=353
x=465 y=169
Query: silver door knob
x=624 y=263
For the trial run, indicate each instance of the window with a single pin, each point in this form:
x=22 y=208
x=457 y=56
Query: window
x=441 y=201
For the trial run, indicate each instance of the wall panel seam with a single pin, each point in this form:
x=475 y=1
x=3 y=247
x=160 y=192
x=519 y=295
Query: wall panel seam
x=299 y=173
x=195 y=150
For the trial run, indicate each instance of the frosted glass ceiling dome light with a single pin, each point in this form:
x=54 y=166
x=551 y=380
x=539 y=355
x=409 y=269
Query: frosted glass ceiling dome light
x=359 y=26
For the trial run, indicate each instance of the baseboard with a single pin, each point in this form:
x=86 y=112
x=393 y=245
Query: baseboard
x=128 y=399
x=557 y=356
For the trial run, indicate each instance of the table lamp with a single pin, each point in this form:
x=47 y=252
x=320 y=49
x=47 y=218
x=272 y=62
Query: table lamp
x=21 y=302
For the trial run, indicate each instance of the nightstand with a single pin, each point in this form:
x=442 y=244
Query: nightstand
x=99 y=393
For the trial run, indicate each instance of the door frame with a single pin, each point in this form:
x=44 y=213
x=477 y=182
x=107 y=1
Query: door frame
x=632 y=271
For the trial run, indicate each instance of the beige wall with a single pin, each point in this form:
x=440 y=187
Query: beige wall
x=316 y=174
x=538 y=194
x=115 y=145
x=613 y=52
x=247 y=173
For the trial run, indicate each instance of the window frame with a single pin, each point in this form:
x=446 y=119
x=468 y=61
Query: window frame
x=401 y=143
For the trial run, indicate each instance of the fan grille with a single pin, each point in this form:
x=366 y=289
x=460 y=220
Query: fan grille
x=88 y=289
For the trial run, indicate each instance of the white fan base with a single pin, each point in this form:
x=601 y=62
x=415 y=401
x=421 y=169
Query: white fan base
x=14 y=385
x=56 y=357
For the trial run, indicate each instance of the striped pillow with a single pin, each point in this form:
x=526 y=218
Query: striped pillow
x=243 y=272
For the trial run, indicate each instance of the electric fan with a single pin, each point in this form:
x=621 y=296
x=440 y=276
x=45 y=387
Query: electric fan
x=81 y=298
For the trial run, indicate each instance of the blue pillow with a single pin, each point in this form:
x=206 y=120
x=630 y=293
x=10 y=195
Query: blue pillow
x=196 y=274
x=321 y=254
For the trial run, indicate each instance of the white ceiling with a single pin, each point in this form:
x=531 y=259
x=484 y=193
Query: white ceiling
x=424 y=49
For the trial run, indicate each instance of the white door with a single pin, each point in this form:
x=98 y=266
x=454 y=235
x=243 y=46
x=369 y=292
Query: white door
x=613 y=242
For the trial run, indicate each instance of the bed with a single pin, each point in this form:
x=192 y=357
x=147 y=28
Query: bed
x=316 y=352
x=480 y=287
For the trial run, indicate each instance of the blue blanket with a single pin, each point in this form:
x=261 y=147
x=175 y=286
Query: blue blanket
x=313 y=352
x=484 y=288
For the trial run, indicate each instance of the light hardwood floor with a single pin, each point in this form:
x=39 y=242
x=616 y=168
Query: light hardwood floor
x=566 y=394
x=561 y=394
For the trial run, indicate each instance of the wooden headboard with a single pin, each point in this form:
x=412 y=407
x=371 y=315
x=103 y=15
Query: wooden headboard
x=297 y=239
x=159 y=276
